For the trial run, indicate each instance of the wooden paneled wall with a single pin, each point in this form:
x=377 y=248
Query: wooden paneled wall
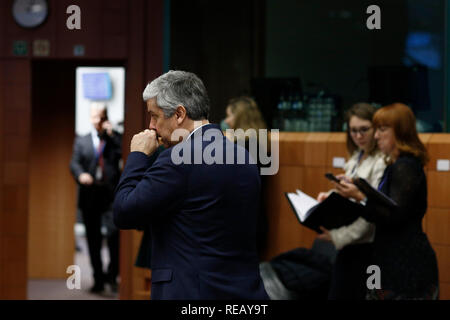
x=15 y=114
x=130 y=31
x=304 y=159
x=104 y=30
x=52 y=190
x=438 y=216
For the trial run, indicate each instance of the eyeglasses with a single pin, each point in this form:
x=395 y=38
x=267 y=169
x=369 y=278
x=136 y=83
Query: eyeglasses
x=362 y=131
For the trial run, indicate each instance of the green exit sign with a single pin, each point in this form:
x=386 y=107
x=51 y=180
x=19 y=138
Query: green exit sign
x=20 y=48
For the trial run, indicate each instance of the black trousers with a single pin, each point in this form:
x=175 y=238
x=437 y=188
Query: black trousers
x=93 y=217
x=349 y=277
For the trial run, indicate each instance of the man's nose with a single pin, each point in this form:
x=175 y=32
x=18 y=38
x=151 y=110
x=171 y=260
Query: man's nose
x=152 y=126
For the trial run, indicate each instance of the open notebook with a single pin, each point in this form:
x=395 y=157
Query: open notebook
x=334 y=212
x=301 y=203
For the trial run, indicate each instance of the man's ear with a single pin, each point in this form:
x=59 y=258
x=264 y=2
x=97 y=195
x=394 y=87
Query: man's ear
x=180 y=114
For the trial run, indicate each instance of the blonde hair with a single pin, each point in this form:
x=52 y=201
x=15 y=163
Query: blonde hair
x=247 y=115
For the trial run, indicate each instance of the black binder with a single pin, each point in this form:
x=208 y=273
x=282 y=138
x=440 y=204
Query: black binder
x=334 y=212
x=372 y=193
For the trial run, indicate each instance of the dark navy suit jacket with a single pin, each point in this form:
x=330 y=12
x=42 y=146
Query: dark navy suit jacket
x=84 y=160
x=203 y=219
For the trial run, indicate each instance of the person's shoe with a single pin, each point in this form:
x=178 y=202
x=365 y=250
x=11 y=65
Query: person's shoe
x=97 y=288
x=114 y=287
x=112 y=283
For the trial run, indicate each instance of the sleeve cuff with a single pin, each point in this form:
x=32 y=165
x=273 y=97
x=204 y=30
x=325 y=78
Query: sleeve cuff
x=335 y=237
x=138 y=159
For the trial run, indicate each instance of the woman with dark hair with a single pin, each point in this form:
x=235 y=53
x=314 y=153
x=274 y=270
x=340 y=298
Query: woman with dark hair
x=353 y=241
x=401 y=249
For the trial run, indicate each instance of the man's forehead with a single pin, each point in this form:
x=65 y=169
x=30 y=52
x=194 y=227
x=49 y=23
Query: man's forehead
x=98 y=111
x=152 y=106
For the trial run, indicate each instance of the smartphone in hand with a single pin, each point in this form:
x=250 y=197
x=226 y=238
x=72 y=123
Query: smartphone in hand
x=332 y=177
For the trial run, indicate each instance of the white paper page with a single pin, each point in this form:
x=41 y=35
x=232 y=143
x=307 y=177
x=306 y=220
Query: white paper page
x=309 y=202
x=302 y=203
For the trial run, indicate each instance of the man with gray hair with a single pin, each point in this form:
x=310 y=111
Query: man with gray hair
x=202 y=215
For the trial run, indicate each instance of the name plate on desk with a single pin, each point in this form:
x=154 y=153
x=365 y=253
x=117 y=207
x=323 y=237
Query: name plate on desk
x=443 y=165
x=338 y=162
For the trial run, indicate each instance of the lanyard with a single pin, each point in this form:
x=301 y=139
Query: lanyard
x=382 y=182
x=357 y=163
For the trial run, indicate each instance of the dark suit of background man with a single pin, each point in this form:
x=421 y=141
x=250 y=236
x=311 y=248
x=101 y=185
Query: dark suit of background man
x=95 y=167
x=202 y=216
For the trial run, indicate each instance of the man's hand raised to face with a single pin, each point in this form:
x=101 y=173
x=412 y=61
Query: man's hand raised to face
x=145 y=141
x=107 y=127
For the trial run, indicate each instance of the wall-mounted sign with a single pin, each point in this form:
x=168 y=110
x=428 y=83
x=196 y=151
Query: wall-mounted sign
x=338 y=162
x=41 y=48
x=97 y=86
x=443 y=165
x=20 y=48
x=78 y=50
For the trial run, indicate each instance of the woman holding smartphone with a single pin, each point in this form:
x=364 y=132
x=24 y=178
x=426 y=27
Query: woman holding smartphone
x=353 y=241
x=401 y=249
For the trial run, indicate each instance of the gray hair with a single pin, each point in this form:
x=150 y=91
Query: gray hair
x=176 y=88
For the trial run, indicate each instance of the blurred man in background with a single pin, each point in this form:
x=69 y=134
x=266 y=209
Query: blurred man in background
x=95 y=167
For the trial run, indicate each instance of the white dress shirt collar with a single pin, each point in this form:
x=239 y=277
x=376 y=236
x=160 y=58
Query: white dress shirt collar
x=196 y=130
